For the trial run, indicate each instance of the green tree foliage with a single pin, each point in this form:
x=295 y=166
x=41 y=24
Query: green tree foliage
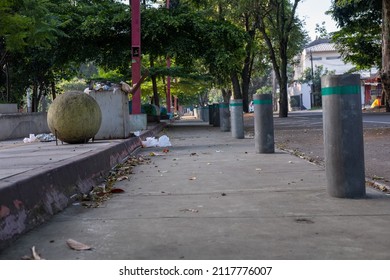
x=204 y=49
x=206 y=43
x=24 y=24
x=58 y=37
x=282 y=32
x=364 y=37
x=359 y=37
x=314 y=77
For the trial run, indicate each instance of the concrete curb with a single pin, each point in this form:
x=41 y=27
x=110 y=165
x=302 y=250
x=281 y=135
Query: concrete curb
x=31 y=198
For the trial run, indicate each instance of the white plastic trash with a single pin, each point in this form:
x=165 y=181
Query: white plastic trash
x=31 y=138
x=150 y=142
x=163 y=141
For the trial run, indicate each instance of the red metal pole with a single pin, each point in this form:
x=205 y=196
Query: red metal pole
x=136 y=53
x=168 y=79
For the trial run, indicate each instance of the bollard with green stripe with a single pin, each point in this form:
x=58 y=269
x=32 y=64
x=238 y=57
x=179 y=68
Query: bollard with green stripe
x=224 y=116
x=343 y=135
x=264 y=123
x=237 y=118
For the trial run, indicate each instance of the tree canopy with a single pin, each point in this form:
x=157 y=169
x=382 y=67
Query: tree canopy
x=359 y=36
x=210 y=42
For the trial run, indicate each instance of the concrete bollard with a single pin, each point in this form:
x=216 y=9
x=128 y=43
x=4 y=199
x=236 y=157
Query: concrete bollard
x=237 y=118
x=196 y=113
x=204 y=113
x=224 y=116
x=264 y=124
x=343 y=136
x=211 y=114
x=216 y=120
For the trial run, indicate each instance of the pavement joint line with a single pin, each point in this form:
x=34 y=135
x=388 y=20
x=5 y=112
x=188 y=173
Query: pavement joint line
x=372 y=184
x=268 y=189
x=199 y=216
x=376 y=122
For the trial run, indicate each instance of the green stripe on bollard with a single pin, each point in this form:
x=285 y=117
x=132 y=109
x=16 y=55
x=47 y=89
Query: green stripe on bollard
x=223 y=105
x=355 y=89
x=262 y=102
x=235 y=104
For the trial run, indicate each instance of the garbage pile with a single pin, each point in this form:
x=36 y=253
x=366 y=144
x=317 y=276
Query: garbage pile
x=44 y=137
x=100 y=86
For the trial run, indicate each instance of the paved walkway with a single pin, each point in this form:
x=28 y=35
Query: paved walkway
x=211 y=197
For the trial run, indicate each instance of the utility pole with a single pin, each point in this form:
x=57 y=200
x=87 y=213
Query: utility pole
x=168 y=78
x=136 y=53
x=312 y=79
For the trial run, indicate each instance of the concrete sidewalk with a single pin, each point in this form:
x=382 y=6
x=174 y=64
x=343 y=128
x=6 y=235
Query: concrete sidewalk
x=212 y=197
x=39 y=179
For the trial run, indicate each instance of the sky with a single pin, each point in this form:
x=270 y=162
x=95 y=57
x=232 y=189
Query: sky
x=313 y=11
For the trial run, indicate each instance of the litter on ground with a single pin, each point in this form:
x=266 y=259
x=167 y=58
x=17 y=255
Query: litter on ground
x=163 y=141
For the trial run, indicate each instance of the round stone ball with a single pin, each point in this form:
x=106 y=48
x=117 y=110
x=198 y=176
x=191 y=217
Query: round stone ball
x=75 y=117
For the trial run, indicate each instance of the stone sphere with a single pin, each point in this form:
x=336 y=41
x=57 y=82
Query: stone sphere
x=75 y=117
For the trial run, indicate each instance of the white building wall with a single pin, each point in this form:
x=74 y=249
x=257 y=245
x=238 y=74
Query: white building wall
x=329 y=59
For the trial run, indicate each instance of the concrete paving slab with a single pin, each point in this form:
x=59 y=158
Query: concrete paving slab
x=212 y=197
x=40 y=179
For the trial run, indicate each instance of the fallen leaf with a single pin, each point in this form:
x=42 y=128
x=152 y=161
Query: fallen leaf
x=34 y=255
x=375 y=177
x=122 y=178
x=75 y=245
x=166 y=151
x=189 y=210
x=117 y=190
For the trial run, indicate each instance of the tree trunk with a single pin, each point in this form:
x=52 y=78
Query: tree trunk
x=34 y=98
x=283 y=109
x=246 y=72
x=7 y=83
x=246 y=79
x=156 y=98
x=283 y=101
x=53 y=90
x=385 y=75
x=226 y=94
x=236 y=86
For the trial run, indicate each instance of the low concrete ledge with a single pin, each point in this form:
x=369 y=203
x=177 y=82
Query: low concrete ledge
x=31 y=198
x=8 y=108
x=20 y=125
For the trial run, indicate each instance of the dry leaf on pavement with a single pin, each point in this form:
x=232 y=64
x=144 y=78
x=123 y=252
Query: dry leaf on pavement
x=75 y=245
x=122 y=178
x=189 y=210
x=34 y=255
x=117 y=190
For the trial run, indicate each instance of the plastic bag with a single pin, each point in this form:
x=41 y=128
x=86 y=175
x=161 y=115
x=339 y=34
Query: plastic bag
x=31 y=139
x=163 y=141
x=150 y=142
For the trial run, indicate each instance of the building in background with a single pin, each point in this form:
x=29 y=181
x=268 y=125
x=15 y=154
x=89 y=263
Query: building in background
x=319 y=54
